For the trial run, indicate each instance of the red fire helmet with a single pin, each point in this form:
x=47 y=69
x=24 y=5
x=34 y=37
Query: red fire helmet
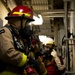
x=22 y=12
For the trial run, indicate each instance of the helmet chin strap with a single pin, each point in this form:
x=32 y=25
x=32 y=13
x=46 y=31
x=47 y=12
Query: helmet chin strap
x=21 y=25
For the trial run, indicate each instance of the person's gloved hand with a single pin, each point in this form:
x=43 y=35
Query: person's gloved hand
x=35 y=64
x=54 y=53
x=57 y=60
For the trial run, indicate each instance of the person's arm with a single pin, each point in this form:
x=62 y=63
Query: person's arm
x=43 y=70
x=57 y=60
x=8 y=53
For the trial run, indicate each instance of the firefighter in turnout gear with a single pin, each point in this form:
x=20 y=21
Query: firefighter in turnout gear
x=12 y=50
x=54 y=64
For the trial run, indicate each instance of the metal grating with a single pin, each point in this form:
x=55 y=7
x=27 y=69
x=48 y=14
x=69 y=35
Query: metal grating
x=39 y=4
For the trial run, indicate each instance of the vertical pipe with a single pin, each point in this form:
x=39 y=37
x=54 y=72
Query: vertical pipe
x=72 y=30
x=56 y=35
x=66 y=33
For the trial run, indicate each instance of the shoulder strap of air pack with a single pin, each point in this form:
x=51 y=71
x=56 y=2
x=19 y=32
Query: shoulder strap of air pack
x=17 y=43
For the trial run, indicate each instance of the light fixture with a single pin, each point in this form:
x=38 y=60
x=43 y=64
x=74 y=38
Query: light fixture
x=38 y=20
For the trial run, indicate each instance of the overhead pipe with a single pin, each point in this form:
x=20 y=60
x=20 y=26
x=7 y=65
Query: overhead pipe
x=55 y=15
x=69 y=0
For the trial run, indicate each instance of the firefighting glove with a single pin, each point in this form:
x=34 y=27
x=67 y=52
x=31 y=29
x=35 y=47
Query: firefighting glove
x=54 y=53
x=35 y=64
x=57 y=60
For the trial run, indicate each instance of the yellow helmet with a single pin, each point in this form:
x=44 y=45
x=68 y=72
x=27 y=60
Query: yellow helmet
x=49 y=41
